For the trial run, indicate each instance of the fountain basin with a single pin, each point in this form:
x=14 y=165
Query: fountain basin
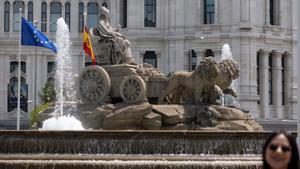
x=132 y=142
x=131 y=149
x=132 y=164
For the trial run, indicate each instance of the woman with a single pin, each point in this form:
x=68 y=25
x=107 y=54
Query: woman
x=280 y=152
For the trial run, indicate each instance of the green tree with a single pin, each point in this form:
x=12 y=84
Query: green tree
x=47 y=94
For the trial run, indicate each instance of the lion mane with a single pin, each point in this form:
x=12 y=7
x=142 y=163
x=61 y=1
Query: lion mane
x=229 y=71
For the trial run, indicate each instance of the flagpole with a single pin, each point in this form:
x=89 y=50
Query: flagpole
x=84 y=23
x=19 y=73
x=35 y=69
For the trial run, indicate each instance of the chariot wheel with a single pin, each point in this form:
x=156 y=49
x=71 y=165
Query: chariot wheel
x=133 y=89
x=93 y=85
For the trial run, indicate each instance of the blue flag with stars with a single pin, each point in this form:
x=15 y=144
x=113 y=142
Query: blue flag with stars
x=31 y=36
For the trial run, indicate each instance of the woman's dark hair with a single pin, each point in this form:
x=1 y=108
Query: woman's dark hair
x=294 y=163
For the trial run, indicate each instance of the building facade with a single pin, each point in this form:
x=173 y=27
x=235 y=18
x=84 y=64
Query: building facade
x=172 y=35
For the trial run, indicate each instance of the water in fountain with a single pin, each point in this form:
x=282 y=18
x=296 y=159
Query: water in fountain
x=64 y=84
x=227 y=99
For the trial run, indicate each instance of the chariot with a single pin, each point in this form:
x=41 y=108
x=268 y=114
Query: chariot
x=131 y=83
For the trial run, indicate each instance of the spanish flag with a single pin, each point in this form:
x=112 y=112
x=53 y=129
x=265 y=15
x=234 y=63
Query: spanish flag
x=87 y=45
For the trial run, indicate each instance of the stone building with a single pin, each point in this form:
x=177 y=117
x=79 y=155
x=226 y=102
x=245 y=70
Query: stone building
x=170 y=34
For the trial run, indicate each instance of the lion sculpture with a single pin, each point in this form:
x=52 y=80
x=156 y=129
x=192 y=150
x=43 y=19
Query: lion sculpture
x=193 y=83
x=204 y=85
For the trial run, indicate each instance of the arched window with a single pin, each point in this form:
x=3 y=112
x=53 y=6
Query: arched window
x=270 y=82
x=283 y=69
x=30 y=11
x=257 y=75
x=150 y=58
x=92 y=15
x=80 y=17
x=44 y=17
x=193 y=60
x=123 y=11
x=209 y=11
x=55 y=13
x=6 y=16
x=16 y=14
x=150 y=13
x=50 y=67
x=68 y=14
x=13 y=94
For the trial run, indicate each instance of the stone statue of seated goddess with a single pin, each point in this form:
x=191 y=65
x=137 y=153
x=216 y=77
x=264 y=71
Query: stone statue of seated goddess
x=119 y=44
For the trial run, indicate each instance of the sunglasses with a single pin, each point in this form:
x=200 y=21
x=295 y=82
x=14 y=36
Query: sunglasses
x=274 y=147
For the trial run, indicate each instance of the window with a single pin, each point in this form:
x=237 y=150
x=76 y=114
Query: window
x=270 y=80
x=209 y=11
x=282 y=80
x=16 y=14
x=6 y=16
x=14 y=66
x=68 y=14
x=274 y=12
x=12 y=94
x=192 y=60
x=257 y=76
x=150 y=13
x=92 y=15
x=124 y=12
x=55 y=13
x=44 y=17
x=209 y=53
x=150 y=58
x=50 y=67
x=30 y=11
x=80 y=17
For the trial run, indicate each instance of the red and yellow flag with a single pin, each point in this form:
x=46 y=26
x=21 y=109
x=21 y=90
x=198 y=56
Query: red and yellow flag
x=87 y=45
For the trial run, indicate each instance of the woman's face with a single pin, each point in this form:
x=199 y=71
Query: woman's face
x=279 y=152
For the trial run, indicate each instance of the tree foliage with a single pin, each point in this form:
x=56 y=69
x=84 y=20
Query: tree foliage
x=47 y=94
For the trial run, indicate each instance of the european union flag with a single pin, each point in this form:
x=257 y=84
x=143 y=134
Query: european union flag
x=31 y=36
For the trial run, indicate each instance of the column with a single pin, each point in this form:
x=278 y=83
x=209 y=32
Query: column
x=172 y=56
x=37 y=13
x=25 y=10
x=74 y=18
x=11 y=20
x=1 y=31
x=276 y=84
x=199 y=13
x=63 y=10
x=267 y=12
x=48 y=16
x=263 y=67
x=279 y=12
x=245 y=11
x=179 y=59
x=216 y=11
x=287 y=83
x=200 y=56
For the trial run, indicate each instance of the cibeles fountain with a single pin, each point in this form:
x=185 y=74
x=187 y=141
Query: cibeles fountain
x=136 y=117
